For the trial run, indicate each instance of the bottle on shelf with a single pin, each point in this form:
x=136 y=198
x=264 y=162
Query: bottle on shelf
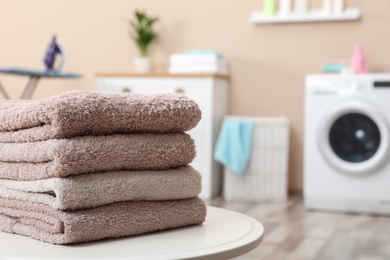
x=327 y=6
x=301 y=6
x=338 y=6
x=269 y=7
x=284 y=7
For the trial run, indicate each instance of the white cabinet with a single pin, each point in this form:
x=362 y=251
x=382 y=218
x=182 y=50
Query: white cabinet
x=210 y=92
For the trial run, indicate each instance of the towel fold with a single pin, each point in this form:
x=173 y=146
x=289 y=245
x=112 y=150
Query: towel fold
x=91 y=190
x=78 y=112
x=89 y=154
x=114 y=220
x=234 y=144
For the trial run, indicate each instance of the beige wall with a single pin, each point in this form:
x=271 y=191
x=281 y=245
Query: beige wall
x=268 y=62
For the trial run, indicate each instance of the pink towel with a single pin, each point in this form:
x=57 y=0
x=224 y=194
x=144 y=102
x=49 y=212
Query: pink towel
x=91 y=190
x=115 y=220
x=89 y=154
x=78 y=112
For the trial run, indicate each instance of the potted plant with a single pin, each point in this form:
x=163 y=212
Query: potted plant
x=143 y=35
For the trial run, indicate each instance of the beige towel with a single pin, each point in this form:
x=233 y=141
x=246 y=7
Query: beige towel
x=78 y=112
x=114 y=220
x=89 y=154
x=91 y=190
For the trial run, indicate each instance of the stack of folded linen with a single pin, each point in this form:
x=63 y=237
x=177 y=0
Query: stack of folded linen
x=83 y=166
x=198 y=61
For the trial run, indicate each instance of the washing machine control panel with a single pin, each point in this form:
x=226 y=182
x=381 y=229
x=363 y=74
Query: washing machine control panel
x=382 y=84
x=345 y=84
x=326 y=88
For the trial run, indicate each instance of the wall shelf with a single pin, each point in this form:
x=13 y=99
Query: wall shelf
x=349 y=14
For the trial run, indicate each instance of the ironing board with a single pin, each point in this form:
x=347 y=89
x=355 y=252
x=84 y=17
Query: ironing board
x=34 y=77
x=225 y=234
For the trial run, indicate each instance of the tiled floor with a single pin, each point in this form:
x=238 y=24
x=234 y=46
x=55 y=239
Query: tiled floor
x=292 y=233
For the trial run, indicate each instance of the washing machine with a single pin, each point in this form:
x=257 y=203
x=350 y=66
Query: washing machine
x=347 y=143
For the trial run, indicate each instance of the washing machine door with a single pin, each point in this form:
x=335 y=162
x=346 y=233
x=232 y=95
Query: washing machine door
x=353 y=136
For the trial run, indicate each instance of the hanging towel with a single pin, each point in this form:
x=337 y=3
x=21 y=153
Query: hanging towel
x=76 y=113
x=91 y=190
x=90 y=154
x=114 y=220
x=233 y=148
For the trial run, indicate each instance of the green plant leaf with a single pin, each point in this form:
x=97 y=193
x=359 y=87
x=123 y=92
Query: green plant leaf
x=142 y=31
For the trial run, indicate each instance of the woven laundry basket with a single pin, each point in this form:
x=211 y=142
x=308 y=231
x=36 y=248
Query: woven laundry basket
x=266 y=177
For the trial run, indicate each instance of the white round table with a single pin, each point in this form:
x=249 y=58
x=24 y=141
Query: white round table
x=224 y=234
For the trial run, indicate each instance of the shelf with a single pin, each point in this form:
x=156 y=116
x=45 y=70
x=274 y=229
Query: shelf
x=349 y=14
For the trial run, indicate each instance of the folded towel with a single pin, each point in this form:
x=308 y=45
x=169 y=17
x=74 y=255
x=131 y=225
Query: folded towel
x=199 y=68
x=114 y=220
x=91 y=190
x=89 y=154
x=77 y=113
x=233 y=148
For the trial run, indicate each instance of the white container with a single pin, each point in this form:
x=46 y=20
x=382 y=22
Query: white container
x=266 y=178
x=327 y=6
x=285 y=7
x=301 y=6
x=338 y=6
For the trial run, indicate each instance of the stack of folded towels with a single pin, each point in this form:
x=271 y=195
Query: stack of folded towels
x=198 y=61
x=83 y=166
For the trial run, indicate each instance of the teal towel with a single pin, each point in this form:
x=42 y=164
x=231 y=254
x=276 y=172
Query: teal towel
x=233 y=148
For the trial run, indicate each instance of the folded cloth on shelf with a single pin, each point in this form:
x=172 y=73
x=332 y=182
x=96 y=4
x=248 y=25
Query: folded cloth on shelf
x=89 y=154
x=114 y=220
x=91 y=190
x=234 y=144
x=216 y=69
x=78 y=112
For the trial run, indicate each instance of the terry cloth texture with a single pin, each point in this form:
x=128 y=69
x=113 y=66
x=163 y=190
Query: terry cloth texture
x=114 y=220
x=76 y=113
x=91 y=190
x=89 y=154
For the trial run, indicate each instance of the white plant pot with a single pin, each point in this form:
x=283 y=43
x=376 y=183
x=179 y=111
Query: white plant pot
x=142 y=64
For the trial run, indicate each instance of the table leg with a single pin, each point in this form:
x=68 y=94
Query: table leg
x=3 y=92
x=30 y=87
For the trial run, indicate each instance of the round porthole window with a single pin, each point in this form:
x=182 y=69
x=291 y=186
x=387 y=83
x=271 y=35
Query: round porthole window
x=353 y=137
